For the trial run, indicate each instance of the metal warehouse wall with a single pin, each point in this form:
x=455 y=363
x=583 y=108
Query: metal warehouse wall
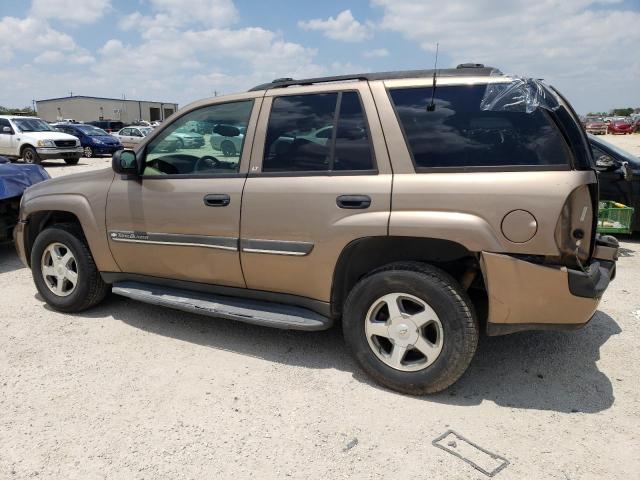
x=89 y=109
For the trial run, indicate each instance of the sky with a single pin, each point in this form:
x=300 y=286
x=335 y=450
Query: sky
x=183 y=50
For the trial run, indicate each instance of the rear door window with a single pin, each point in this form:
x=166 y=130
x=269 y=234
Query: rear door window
x=458 y=134
x=317 y=132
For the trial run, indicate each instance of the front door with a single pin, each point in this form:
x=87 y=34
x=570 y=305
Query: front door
x=181 y=219
x=6 y=138
x=319 y=179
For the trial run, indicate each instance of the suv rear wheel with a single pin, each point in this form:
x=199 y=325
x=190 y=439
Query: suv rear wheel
x=72 y=160
x=411 y=327
x=64 y=271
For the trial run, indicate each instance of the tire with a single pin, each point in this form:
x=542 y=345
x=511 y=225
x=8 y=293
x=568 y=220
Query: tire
x=72 y=160
x=89 y=289
x=179 y=144
x=88 y=152
x=228 y=149
x=29 y=155
x=456 y=337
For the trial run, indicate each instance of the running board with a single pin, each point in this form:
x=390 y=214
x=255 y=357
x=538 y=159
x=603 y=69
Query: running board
x=258 y=312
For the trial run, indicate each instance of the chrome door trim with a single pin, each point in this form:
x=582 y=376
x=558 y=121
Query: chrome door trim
x=277 y=247
x=154 y=238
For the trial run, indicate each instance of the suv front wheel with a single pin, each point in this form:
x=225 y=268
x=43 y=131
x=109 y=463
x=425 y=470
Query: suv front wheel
x=29 y=155
x=411 y=327
x=64 y=271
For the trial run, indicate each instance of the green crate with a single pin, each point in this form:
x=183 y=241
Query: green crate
x=614 y=219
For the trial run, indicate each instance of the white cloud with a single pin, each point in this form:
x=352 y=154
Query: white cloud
x=31 y=35
x=376 y=53
x=172 y=15
x=174 y=63
x=70 y=11
x=343 y=27
x=207 y=12
x=49 y=56
x=566 y=41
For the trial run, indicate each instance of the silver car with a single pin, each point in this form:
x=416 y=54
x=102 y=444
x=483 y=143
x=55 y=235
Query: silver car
x=132 y=136
x=228 y=139
x=187 y=138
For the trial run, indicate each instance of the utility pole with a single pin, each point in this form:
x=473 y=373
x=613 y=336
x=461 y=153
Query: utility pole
x=34 y=106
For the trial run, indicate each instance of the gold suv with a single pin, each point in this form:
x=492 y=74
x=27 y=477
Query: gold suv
x=417 y=208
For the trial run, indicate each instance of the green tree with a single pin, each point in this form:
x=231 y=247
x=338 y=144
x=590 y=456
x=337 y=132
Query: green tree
x=621 y=112
x=17 y=111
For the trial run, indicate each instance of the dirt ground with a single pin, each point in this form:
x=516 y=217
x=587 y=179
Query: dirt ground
x=133 y=391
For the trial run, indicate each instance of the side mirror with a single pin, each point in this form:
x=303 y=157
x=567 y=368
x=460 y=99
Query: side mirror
x=7 y=130
x=125 y=162
x=605 y=162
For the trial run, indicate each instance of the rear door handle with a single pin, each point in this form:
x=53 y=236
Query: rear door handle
x=353 y=201
x=217 y=200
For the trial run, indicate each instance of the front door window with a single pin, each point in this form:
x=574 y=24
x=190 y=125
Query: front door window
x=206 y=141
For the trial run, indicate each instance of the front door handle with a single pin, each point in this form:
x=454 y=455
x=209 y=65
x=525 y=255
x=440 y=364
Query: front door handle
x=217 y=200
x=353 y=201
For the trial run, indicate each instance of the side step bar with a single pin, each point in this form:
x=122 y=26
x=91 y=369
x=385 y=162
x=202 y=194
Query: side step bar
x=258 y=312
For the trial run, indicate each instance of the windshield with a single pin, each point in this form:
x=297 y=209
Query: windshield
x=594 y=120
x=92 y=131
x=145 y=130
x=31 y=125
x=628 y=156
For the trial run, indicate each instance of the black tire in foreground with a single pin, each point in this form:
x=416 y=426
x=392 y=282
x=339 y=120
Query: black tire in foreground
x=64 y=271
x=419 y=311
x=29 y=155
x=72 y=160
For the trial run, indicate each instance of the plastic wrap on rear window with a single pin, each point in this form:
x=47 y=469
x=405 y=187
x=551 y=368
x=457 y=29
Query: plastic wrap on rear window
x=519 y=95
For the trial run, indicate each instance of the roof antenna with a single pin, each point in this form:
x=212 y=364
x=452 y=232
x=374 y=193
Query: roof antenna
x=432 y=106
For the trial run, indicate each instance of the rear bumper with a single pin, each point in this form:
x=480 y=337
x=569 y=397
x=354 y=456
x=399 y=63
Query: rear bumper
x=528 y=296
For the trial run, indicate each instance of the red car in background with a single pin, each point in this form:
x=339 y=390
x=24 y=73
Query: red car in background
x=620 y=126
x=595 y=126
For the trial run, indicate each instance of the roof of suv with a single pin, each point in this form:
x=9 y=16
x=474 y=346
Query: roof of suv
x=462 y=70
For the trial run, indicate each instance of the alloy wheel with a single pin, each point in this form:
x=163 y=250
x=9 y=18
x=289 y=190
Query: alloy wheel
x=59 y=269
x=404 y=332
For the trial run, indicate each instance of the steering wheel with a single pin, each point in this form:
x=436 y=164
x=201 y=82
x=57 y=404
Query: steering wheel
x=206 y=163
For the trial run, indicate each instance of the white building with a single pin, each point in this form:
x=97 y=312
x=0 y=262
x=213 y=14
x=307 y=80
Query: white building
x=87 y=109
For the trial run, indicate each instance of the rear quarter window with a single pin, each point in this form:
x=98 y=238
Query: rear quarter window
x=458 y=134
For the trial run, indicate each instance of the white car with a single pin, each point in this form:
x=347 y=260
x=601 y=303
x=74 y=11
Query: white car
x=132 y=136
x=34 y=140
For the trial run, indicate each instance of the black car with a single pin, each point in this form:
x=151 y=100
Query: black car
x=618 y=174
x=108 y=126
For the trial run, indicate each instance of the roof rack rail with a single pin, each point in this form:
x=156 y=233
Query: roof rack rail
x=470 y=69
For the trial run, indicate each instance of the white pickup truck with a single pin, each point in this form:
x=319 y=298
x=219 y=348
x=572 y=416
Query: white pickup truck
x=33 y=140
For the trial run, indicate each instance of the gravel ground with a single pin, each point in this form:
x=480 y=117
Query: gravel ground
x=129 y=390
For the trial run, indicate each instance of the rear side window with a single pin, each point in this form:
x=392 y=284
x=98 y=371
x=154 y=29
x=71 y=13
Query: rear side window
x=317 y=133
x=458 y=134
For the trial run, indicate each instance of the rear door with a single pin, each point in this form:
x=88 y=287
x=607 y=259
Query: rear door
x=308 y=196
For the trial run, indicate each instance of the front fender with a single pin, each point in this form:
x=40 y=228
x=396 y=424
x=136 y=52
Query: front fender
x=91 y=220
